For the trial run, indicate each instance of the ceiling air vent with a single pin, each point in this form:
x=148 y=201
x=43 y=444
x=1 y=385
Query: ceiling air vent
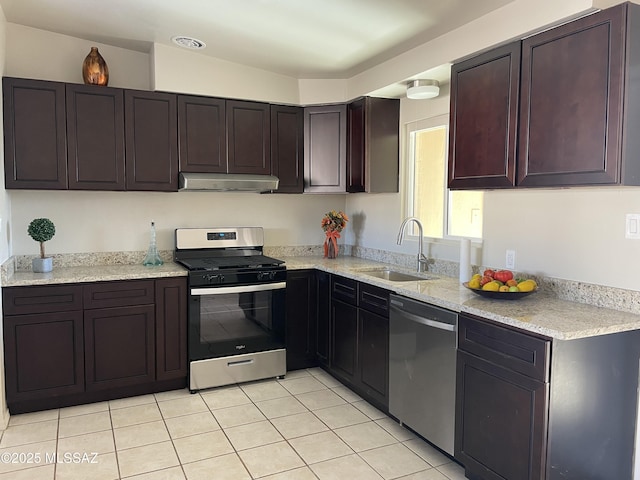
x=188 y=42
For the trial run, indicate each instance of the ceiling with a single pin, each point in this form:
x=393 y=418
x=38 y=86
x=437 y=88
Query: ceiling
x=299 y=38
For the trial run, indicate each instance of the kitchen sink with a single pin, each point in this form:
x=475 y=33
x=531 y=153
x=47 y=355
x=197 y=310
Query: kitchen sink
x=395 y=275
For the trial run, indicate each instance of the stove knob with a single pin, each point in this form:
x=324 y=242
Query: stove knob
x=272 y=275
x=261 y=275
x=220 y=278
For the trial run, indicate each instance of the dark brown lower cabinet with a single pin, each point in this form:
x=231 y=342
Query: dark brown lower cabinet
x=81 y=343
x=360 y=339
x=171 y=328
x=533 y=408
x=344 y=340
x=323 y=318
x=373 y=355
x=502 y=396
x=504 y=421
x=44 y=355
x=300 y=330
x=119 y=346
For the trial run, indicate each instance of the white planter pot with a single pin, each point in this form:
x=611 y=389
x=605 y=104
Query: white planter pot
x=42 y=265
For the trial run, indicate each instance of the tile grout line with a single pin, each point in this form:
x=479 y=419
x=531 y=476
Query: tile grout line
x=164 y=422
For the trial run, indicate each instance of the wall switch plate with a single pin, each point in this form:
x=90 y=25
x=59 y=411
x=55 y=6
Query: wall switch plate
x=510 y=260
x=632 y=226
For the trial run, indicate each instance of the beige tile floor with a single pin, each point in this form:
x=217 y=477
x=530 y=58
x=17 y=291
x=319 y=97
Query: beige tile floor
x=306 y=426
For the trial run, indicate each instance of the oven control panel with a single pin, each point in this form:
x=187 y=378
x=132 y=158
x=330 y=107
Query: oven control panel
x=238 y=277
x=222 y=236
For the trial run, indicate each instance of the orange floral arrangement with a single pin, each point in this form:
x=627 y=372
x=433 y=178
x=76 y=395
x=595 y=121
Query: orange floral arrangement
x=332 y=223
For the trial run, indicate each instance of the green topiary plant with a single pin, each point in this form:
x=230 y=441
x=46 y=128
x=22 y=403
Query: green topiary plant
x=41 y=230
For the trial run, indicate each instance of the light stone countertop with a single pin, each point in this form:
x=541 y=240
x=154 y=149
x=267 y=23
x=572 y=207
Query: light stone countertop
x=540 y=313
x=95 y=273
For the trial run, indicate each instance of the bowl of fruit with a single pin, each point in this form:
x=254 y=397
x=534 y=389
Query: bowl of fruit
x=501 y=284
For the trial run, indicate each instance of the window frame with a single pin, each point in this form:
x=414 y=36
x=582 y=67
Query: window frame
x=408 y=179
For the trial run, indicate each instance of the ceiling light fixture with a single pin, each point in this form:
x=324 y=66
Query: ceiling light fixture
x=421 y=89
x=188 y=42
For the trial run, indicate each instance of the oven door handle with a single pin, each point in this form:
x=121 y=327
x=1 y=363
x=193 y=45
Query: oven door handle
x=261 y=287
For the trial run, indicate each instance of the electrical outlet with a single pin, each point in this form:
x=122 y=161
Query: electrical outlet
x=510 y=260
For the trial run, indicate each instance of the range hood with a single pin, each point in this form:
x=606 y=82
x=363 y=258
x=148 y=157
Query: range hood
x=227 y=182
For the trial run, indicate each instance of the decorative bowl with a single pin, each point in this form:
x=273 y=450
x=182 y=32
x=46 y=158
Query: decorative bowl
x=499 y=295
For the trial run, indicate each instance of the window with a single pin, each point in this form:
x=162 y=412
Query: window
x=443 y=213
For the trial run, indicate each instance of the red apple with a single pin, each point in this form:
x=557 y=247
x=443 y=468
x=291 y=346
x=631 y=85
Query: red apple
x=503 y=275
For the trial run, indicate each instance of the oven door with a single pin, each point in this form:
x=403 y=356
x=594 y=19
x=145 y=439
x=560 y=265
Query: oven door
x=232 y=320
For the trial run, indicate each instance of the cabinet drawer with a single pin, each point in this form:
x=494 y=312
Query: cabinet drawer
x=118 y=294
x=373 y=299
x=344 y=289
x=517 y=351
x=46 y=299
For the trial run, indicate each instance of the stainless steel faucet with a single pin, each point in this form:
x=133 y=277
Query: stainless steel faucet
x=422 y=260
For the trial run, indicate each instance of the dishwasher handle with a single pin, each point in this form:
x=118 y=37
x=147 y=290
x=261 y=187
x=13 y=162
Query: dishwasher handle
x=424 y=321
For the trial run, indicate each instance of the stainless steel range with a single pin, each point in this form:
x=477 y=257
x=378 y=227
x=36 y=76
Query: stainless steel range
x=236 y=306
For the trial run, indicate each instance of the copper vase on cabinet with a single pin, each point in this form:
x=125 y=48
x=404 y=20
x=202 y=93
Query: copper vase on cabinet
x=94 y=69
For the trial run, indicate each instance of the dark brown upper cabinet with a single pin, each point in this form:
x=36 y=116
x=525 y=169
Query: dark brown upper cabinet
x=151 y=136
x=325 y=149
x=373 y=145
x=287 y=147
x=572 y=102
x=576 y=112
x=35 y=146
x=202 y=134
x=483 y=119
x=95 y=137
x=248 y=137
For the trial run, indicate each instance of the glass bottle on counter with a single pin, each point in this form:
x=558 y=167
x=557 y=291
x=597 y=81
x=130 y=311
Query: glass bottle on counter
x=153 y=257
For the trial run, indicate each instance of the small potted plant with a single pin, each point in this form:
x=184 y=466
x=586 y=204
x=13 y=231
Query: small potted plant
x=42 y=230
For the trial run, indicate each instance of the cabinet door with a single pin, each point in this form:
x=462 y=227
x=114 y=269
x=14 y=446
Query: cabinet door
x=151 y=141
x=501 y=421
x=95 y=137
x=202 y=134
x=35 y=148
x=44 y=355
x=344 y=340
x=325 y=149
x=287 y=140
x=373 y=356
x=571 y=108
x=373 y=145
x=483 y=119
x=323 y=317
x=119 y=347
x=300 y=332
x=249 y=137
x=171 y=328
x=356 y=146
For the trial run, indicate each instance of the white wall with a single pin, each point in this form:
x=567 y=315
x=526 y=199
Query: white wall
x=34 y=53
x=119 y=221
x=179 y=70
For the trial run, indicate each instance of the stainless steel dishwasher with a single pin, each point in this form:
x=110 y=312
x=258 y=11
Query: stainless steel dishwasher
x=422 y=369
